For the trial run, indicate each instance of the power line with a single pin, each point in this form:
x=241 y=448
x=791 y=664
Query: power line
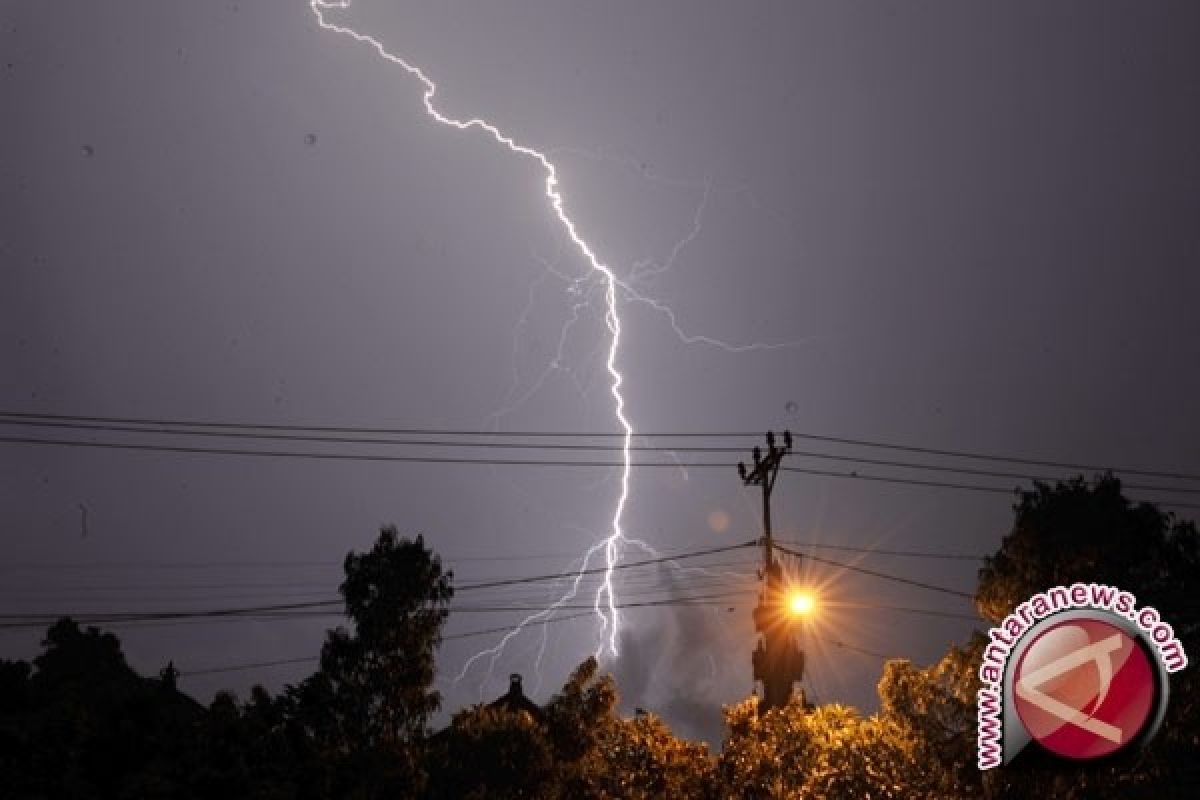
x=646 y=585
x=27 y=619
x=296 y=611
x=970 y=487
x=585 y=610
x=975 y=455
x=506 y=628
x=928 y=612
x=310 y=659
x=252 y=665
x=125 y=587
x=118 y=616
x=877 y=574
x=681 y=600
x=853 y=648
x=876 y=551
x=315 y=610
x=313 y=586
x=229 y=451
x=110 y=601
x=597 y=570
x=317 y=604
x=335 y=565
x=288 y=610
x=362 y=457
x=555 y=446
x=703 y=601
x=465 y=635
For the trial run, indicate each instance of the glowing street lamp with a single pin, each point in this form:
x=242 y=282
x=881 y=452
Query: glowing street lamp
x=801 y=603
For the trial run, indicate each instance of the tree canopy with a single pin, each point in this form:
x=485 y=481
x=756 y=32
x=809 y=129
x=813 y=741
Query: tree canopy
x=77 y=721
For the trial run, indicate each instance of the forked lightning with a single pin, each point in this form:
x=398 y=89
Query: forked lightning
x=605 y=602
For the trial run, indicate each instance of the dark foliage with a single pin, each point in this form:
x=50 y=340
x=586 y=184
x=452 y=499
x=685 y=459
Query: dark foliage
x=81 y=723
x=77 y=722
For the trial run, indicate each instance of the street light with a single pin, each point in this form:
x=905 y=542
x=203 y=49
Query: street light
x=801 y=603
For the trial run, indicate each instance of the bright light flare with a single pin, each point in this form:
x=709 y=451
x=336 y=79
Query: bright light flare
x=801 y=603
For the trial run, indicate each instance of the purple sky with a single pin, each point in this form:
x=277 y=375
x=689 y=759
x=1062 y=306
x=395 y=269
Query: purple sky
x=976 y=224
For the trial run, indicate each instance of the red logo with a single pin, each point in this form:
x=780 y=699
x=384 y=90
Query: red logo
x=1084 y=688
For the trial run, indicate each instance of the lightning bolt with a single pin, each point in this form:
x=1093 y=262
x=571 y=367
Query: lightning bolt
x=598 y=279
x=605 y=600
x=493 y=653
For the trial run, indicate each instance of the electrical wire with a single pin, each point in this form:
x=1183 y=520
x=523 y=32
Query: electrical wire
x=853 y=648
x=486 y=632
x=555 y=446
x=967 y=454
x=302 y=610
x=316 y=604
x=309 y=659
x=876 y=574
x=875 y=551
x=605 y=569
x=367 y=458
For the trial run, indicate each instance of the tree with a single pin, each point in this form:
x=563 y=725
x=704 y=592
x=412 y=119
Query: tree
x=83 y=724
x=575 y=715
x=508 y=753
x=514 y=755
x=828 y=752
x=577 y=747
x=936 y=709
x=640 y=759
x=363 y=716
x=1079 y=532
x=14 y=709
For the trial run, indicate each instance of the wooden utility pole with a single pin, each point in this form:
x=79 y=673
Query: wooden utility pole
x=778 y=661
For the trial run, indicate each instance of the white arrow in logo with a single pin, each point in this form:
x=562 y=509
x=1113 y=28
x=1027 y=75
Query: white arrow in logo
x=1098 y=652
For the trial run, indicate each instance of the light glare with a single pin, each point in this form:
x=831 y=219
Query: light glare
x=801 y=603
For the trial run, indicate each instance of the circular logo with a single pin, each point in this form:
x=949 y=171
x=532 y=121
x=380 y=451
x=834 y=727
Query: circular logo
x=1085 y=688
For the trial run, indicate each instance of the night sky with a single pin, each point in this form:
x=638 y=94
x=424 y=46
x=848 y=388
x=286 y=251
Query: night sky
x=966 y=226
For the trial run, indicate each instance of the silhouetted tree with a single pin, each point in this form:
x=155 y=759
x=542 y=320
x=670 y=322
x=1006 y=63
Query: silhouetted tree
x=512 y=754
x=576 y=747
x=86 y=725
x=1075 y=531
x=363 y=715
x=14 y=711
x=494 y=753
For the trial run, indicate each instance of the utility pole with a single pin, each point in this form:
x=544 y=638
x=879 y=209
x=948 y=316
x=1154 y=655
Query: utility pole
x=778 y=660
